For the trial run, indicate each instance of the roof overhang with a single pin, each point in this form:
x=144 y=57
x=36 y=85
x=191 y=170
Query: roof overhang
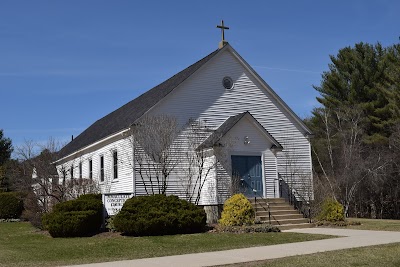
x=214 y=140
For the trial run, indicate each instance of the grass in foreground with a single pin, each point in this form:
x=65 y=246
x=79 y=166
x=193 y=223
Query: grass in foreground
x=376 y=224
x=23 y=245
x=375 y=256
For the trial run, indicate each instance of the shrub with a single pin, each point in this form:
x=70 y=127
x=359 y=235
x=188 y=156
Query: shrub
x=80 y=204
x=80 y=217
x=331 y=211
x=11 y=205
x=72 y=223
x=159 y=215
x=237 y=211
x=90 y=196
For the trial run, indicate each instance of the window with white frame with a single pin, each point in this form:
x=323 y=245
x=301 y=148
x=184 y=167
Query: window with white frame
x=90 y=169
x=115 y=164
x=101 y=168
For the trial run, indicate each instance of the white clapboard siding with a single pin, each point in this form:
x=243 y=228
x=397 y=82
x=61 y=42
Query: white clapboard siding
x=124 y=183
x=203 y=97
x=209 y=193
x=183 y=180
x=271 y=175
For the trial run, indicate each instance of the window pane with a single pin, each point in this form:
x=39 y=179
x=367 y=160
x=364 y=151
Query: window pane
x=115 y=163
x=90 y=169
x=101 y=168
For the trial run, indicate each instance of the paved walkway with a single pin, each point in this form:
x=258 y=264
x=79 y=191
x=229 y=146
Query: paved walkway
x=348 y=239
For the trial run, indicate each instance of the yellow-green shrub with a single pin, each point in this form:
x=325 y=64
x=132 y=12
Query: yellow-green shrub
x=237 y=211
x=331 y=211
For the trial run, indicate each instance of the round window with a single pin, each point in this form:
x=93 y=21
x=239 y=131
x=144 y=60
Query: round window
x=227 y=82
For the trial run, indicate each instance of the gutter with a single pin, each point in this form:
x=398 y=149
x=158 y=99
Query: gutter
x=92 y=145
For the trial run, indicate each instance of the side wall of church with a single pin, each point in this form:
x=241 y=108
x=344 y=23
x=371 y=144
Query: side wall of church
x=124 y=181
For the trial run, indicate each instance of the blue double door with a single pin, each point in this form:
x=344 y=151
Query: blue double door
x=247 y=175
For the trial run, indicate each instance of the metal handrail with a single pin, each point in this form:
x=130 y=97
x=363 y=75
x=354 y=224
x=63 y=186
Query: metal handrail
x=295 y=198
x=255 y=201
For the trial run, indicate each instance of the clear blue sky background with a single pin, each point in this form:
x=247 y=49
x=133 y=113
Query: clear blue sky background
x=65 y=64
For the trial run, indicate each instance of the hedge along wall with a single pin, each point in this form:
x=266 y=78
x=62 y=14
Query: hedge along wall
x=11 y=205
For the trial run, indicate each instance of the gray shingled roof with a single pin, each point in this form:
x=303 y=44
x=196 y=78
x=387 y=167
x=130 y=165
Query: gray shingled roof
x=225 y=127
x=123 y=117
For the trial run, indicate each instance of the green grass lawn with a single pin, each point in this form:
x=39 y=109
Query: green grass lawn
x=23 y=245
x=376 y=224
x=374 y=256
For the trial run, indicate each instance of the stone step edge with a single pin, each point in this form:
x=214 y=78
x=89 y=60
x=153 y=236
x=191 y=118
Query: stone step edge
x=278 y=211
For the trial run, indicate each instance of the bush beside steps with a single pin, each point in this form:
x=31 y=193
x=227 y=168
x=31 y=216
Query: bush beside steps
x=237 y=211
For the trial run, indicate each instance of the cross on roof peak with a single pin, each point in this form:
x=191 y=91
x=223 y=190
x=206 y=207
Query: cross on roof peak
x=223 y=28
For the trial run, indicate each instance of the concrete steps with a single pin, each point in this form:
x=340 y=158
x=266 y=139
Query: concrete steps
x=281 y=214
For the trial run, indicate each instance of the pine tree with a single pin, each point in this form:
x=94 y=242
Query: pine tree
x=354 y=80
x=5 y=148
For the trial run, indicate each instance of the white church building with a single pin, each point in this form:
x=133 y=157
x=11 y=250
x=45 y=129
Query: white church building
x=247 y=138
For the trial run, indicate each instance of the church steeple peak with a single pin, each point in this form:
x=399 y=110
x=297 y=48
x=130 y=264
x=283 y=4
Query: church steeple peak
x=223 y=28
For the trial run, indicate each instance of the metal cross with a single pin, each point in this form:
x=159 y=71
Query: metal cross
x=223 y=28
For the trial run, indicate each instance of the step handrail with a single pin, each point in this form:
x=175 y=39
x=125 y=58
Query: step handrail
x=256 y=201
x=295 y=198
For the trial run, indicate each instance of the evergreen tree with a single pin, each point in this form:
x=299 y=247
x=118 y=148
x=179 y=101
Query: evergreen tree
x=354 y=80
x=391 y=85
x=357 y=131
x=5 y=154
x=5 y=148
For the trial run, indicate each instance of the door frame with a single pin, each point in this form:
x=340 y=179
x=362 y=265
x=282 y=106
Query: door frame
x=249 y=153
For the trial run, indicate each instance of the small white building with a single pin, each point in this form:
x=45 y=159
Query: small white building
x=247 y=137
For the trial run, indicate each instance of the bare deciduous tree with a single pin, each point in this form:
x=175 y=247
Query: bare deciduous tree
x=39 y=176
x=154 y=151
x=200 y=161
x=347 y=162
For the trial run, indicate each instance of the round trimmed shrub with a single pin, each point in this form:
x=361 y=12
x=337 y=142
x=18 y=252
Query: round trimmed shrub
x=82 y=203
x=331 y=211
x=72 y=223
x=90 y=196
x=11 y=205
x=159 y=215
x=80 y=217
x=237 y=211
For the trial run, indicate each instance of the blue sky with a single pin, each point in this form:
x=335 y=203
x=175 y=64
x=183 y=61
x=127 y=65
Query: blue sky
x=65 y=64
